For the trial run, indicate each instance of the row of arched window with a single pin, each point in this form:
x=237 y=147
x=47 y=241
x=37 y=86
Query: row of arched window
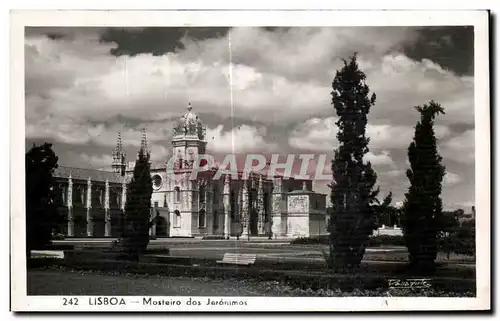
x=202 y=217
x=202 y=195
x=79 y=196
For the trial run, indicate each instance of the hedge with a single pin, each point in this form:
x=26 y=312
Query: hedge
x=59 y=247
x=374 y=241
x=213 y=237
x=381 y=240
x=392 y=269
x=322 y=239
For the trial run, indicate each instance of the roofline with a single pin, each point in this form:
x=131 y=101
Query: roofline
x=87 y=169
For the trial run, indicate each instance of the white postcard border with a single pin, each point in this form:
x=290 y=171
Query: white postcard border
x=479 y=19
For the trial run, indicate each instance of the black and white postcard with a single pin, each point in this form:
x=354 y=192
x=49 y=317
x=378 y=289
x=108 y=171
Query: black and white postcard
x=250 y=161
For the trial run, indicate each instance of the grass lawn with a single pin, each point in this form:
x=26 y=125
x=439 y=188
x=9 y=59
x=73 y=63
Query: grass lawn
x=403 y=257
x=216 y=249
x=55 y=281
x=386 y=253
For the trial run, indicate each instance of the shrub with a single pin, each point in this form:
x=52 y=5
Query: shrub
x=322 y=239
x=213 y=237
x=381 y=240
x=461 y=241
x=58 y=237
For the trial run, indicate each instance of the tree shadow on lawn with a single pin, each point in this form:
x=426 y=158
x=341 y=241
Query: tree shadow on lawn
x=384 y=263
x=389 y=269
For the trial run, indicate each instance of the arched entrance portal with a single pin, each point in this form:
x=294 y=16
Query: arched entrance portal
x=161 y=227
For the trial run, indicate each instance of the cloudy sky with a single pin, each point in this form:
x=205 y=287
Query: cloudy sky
x=84 y=84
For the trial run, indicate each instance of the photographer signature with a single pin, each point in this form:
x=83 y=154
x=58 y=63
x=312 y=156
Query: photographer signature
x=409 y=283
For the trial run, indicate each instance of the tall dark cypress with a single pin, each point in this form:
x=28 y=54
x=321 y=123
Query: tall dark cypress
x=352 y=191
x=423 y=207
x=42 y=215
x=138 y=206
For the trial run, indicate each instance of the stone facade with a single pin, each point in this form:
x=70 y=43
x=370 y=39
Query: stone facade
x=92 y=201
x=208 y=205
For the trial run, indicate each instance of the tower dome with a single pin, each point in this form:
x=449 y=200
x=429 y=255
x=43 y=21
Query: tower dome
x=190 y=125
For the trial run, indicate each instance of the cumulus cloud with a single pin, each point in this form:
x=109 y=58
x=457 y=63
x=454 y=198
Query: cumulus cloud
x=451 y=179
x=78 y=93
x=379 y=159
x=96 y=161
x=273 y=79
x=70 y=131
x=242 y=138
x=298 y=54
x=159 y=153
x=460 y=148
x=319 y=134
x=394 y=173
x=315 y=134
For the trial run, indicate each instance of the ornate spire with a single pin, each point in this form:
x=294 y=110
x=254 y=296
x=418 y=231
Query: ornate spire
x=119 y=145
x=144 y=140
x=118 y=151
x=144 y=143
x=119 y=156
x=189 y=106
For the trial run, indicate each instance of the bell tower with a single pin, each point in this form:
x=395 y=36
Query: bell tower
x=189 y=139
x=118 y=165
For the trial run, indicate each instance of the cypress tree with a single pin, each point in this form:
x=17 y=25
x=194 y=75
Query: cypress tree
x=138 y=207
x=422 y=208
x=385 y=211
x=42 y=215
x=352 y=193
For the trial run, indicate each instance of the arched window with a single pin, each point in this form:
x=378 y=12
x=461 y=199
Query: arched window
x=101 y=197
x=63 y=194
x=233 y=199
x=79 y=195
x=97 y=196
x=201 y=218
x=215 y=221
x=202 y=193
x=177 y=194
x=215 y=194
x=177 y=218
x=265 y=205
x=83 y=192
